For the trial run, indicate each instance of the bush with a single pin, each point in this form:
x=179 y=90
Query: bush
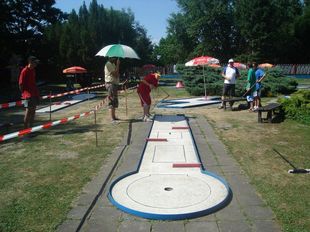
x=297 y=107
x=275 y=83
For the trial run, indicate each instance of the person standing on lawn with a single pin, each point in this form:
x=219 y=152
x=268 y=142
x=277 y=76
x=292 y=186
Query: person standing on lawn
x=230 y=74
x=111 y=77
x=250 y=87
x=149 y=82
x=29 y=90
x=260 y=75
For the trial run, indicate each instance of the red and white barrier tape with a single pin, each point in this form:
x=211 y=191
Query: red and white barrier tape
x=41 y=127
x=71 y=92
x=49 y=124
x=22 y=102
x=12 y=104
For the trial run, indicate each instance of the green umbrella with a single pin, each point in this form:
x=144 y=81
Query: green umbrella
x=118 y=50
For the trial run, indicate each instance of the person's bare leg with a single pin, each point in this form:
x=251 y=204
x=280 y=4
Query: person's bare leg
x=27 y=118
x=32 y=113
x=112 y=113
x=146 y=110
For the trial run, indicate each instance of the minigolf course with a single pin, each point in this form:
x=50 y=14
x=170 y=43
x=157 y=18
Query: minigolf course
x=188 y=102
x=170 y=182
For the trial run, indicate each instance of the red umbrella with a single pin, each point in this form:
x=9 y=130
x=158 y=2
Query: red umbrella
x=239 y=65
x=214 y=65
x=74 y=70
x=202 y=60
x=265 y=65
x=148 y=66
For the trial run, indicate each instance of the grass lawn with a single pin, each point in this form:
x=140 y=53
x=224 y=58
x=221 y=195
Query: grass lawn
x=40 y=178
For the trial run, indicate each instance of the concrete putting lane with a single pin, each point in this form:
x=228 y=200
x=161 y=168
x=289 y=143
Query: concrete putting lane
x=170 y=182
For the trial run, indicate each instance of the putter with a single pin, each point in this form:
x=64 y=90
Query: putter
x=295 y=169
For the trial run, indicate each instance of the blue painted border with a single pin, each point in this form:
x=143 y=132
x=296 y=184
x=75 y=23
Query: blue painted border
x=153 y=216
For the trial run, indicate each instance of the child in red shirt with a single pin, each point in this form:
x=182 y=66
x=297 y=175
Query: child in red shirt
x=145 y=87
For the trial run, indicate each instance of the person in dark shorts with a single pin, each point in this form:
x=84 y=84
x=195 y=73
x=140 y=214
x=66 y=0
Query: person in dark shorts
x=29 y=90
x=230 y=74
x=111 y=77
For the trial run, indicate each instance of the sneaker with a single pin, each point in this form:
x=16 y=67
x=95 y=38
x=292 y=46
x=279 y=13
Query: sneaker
x=114 y=121
x=147 y=119
x=150 y=116
x=221 y=107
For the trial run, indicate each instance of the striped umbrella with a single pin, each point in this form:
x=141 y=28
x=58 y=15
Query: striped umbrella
x=74 y=70
x=118 y=50
x=265 y=65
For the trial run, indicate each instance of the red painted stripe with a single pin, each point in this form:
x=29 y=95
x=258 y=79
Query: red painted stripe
x=1 y=137
x=186 y=165
x=180 y=127
x=47 y=125
x=76 y=116
x=156 y=140
x=24 y=132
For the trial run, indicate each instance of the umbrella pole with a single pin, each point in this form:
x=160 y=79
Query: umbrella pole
x=95 y=117
x=125 y=89
x=204 y=82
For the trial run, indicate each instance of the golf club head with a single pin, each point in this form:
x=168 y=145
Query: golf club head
x=299 y=171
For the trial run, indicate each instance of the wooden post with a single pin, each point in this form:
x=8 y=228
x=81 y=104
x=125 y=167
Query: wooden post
x=50 y=106
x=95 y=117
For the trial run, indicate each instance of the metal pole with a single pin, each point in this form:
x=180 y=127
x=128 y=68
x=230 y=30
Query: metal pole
x=88 y=97
x=125 y=88
x=204 y=81
x=50 y=106
x=95 y=116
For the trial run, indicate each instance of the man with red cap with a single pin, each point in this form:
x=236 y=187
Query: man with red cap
x=29 y=90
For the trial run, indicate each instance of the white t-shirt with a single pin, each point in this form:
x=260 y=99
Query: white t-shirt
x=108 y=69
x=230 y=73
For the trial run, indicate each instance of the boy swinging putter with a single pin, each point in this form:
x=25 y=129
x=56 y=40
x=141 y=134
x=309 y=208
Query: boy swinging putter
x=145 y=87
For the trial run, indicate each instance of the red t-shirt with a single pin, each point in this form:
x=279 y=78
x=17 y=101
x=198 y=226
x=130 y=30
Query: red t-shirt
x=151 y=79
x=27 y=79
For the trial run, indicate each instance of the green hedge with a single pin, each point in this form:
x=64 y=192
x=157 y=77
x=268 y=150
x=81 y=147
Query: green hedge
x=193 y=77
x=297 y=106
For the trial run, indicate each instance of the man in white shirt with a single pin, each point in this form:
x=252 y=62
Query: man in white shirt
x=111 y=71
x=230 y=74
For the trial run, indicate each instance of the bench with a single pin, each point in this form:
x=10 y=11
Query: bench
x=272 y=109
x=231 y=101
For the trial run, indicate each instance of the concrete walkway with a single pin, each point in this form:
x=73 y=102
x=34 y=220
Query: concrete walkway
x=246 y=212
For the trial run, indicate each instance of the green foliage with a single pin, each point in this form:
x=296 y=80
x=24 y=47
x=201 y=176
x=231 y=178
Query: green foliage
x=24 y=23
x=89 y=30
x=297 y=107
x=264 y=31
x=195 y=77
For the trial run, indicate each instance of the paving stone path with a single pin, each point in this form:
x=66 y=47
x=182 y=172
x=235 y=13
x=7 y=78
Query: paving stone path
x=246 y=212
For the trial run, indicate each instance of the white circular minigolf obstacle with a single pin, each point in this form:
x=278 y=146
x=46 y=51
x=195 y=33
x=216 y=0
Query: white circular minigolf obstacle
x=170 y=183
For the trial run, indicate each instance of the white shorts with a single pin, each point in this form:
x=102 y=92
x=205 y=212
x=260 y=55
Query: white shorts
x=257 y=93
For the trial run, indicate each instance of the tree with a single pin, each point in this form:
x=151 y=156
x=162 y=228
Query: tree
x=302 y=33
x=27 y=22
x=201 y=28
x=86 y=32
x=266 y=28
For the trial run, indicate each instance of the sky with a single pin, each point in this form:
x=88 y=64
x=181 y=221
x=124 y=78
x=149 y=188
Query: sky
x=151 y=14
